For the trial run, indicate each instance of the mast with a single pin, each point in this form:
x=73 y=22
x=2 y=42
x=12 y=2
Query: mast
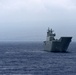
x=50 y=35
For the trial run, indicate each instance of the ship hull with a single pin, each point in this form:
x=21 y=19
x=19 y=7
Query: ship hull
x=60 y=45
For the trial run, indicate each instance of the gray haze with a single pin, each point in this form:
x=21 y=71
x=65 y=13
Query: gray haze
x=28 y=20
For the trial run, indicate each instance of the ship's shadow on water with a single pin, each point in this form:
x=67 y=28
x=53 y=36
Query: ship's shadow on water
x=62 y=52
x=57 y=51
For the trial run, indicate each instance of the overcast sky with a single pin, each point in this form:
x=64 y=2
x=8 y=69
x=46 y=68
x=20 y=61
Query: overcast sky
x=28 y=20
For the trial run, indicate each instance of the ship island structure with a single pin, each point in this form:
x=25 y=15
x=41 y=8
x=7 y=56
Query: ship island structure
x=56 y=45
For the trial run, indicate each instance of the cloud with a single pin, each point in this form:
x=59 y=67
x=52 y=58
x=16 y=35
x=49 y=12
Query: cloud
x=35 y=6
x=16 y=8
x=30 y=5
x=36 y=10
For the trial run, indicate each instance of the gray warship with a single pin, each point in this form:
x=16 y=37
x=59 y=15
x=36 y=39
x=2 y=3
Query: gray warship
x=56 y=45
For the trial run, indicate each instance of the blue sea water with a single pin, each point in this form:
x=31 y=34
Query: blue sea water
x=29 y=58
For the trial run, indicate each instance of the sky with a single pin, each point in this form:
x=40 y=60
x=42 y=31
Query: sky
x=28 y=20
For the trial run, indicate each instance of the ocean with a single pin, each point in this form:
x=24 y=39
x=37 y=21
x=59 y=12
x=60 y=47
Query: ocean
x=29 y=58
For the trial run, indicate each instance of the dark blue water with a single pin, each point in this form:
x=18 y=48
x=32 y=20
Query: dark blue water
x=30 y=59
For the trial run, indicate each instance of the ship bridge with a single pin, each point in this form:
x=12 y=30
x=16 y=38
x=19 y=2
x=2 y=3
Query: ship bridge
x=50 y=35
